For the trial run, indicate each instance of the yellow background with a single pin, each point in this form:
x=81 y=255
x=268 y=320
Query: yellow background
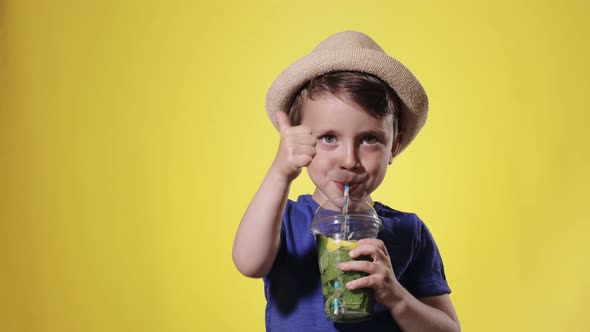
x=133 y=134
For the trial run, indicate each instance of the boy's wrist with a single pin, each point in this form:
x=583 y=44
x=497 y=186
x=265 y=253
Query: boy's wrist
x=282 y=173
x=276 y=173
x=399 y=301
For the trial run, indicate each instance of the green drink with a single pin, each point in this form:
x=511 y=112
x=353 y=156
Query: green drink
x=341 y=304
x=336 y=235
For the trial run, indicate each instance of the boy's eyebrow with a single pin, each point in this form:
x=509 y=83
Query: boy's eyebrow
x=325 y=131
x=374 y=132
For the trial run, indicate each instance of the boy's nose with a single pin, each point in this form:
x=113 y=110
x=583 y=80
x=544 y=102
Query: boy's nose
x=349 y=159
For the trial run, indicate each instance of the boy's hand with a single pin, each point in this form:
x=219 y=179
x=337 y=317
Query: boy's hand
x=296 y=150
x=380 y=277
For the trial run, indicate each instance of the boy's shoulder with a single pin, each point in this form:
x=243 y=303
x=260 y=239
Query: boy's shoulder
x=304 y=205
x=398 y=220
x=389 y=213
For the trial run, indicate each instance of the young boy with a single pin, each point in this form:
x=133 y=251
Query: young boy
x=344 y=112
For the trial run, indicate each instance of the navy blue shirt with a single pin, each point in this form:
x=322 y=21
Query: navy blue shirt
x=293 y=289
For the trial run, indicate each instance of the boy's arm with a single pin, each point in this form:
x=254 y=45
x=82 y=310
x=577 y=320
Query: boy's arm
x=428 y=314
x=435 y=313
x=257 y=240
x=258 y=236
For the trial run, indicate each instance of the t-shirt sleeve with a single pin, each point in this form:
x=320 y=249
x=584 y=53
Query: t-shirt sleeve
x=426 y=275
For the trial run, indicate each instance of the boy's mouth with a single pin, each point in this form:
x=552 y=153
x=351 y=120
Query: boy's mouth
x=352 y=186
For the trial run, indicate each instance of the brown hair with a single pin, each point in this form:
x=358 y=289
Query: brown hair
x=368 y=91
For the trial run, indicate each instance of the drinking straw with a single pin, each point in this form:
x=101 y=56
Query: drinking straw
x=344 y=226
x=336 y=301
x=345 y=204
x=343 y=235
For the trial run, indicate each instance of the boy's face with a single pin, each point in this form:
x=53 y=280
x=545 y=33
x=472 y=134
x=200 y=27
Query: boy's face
x=353 y=147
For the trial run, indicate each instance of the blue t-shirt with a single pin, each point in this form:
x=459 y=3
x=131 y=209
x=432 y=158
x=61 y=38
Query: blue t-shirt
x=293 y=288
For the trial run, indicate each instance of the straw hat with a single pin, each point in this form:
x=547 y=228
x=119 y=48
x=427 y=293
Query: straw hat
x=352 y=51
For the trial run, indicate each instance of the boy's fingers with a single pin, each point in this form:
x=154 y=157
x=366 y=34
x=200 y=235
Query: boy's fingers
x=283 y=121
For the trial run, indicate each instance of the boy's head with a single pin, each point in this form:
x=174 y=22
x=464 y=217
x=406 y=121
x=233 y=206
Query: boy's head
x=354 y=127
x=352 y=51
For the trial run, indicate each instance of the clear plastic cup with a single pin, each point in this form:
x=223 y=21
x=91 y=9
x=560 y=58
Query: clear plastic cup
x=336 y=235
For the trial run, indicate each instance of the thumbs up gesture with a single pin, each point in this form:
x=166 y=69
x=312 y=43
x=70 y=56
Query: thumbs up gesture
x=296 y=150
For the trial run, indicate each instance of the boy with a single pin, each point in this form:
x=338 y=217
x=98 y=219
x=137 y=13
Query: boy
x=344 y=112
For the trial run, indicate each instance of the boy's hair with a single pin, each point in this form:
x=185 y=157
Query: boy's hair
x=368 y=91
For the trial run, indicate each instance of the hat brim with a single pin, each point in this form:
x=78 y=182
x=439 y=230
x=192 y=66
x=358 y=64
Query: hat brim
x=414 y=100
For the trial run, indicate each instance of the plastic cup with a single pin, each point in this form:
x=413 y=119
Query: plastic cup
x=336 y=235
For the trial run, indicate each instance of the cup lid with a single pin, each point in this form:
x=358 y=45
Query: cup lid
x=357 y=209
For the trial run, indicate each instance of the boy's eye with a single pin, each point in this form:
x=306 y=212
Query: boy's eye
x=370 y=139
x=329 y=139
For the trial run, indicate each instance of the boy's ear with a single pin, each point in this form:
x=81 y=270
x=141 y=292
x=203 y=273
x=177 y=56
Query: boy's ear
x=395 y=149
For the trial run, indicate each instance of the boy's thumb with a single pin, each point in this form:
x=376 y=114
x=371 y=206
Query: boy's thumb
x=283 y=121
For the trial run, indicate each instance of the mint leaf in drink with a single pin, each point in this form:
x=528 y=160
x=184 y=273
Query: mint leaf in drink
x=350 y=305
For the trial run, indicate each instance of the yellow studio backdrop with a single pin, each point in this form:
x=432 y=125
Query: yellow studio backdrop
x=133 y=135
